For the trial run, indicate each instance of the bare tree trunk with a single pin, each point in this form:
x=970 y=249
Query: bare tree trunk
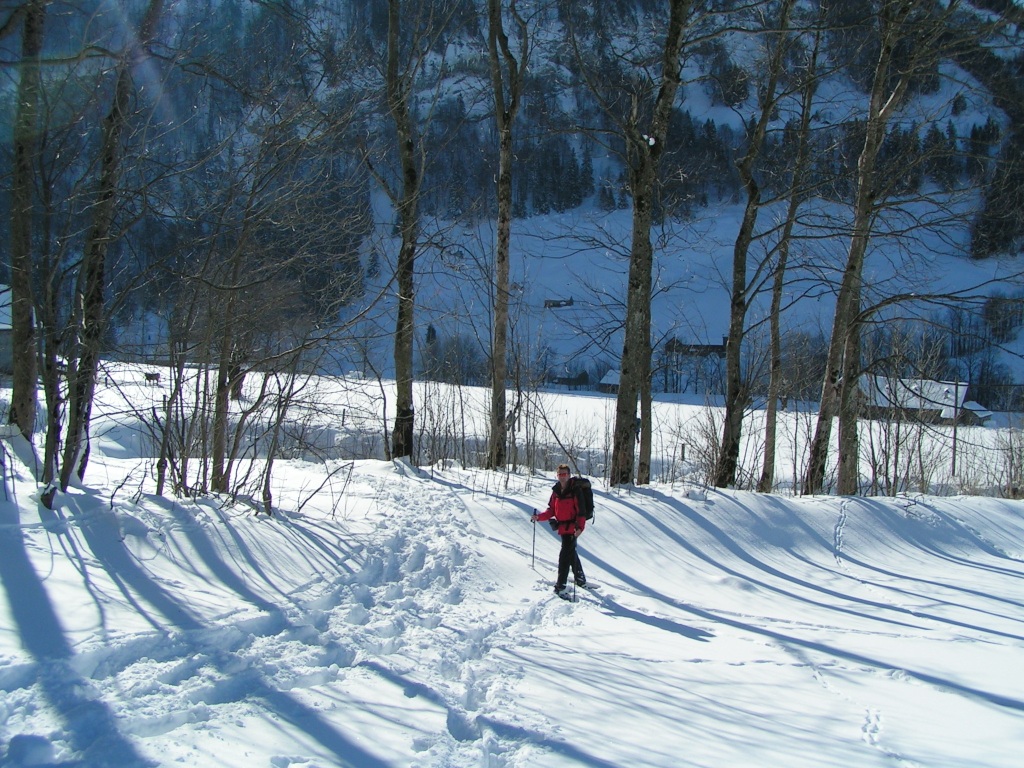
x=23 y=334
x=643 y=464
x=46 y=335
x=398 y=89
x=736 y=390
x=771 y=410
x=796 y=196
x=505 y=108
x=222 y=348
x=842 y=327
x=91 y=308
x=219 y=474
x=841 y=373
x=849 y=407
x=285 y=397
x=52 y=369
x=645 y=149
x=171 y=403
x=242 y=428
x=636 y=348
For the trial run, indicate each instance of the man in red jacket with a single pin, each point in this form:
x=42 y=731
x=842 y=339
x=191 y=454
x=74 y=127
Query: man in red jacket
x=564 y=506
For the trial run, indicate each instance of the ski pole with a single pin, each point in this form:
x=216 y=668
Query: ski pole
x=533 y=549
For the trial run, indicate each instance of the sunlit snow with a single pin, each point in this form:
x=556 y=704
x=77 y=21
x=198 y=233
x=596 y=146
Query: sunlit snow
x=403 y=616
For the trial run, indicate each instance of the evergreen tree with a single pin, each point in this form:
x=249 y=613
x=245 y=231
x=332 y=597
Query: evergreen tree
x=941 y=161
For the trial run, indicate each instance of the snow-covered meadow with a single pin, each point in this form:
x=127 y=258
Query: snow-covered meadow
x=403 y=616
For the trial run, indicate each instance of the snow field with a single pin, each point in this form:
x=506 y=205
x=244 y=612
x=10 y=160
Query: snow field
x=414 y=625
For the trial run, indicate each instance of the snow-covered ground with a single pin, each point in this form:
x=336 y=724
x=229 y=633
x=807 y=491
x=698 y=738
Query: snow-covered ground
x=404 y=616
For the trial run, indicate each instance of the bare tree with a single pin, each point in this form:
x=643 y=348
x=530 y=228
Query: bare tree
x=910 y=28
x=645 y=137
x=415 y=33
x=60 y=155
x=737 y=394
x=400 y=77
x=252 y=286
x=90 y=307
x=796 y=194
x=508 y=74
x=32 y=16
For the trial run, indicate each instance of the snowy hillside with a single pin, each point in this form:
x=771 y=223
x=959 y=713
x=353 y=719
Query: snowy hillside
x=569 y=269
x=578 y=263
x=394 y=616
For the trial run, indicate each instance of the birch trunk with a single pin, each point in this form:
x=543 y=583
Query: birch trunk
x=796 y=196
x=736 y=390
x=645 y=148
x=408 y=224
x=507 y=76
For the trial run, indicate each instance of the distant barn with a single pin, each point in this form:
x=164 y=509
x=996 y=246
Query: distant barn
x=579 y=380
x=557 y=303
x=678 y=348
x=609 y=382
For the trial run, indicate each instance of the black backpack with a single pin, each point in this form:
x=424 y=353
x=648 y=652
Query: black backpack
x=584 y=497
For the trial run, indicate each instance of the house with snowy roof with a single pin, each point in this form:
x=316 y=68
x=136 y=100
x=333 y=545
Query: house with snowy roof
x=936 y=402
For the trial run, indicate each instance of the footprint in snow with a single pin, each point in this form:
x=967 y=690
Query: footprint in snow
x=872 y=728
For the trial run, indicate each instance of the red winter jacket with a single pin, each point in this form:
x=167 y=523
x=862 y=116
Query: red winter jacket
x=564 y=507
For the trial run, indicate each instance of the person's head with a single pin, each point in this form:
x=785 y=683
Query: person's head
x=563 y=473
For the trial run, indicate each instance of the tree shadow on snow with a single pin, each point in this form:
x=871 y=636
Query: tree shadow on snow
x=92 y=730
x=871 y=610
x=91 y=727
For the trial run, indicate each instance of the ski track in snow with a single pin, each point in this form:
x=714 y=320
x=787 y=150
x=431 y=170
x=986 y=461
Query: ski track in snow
x=384 y=619
x=837 y=533
x=873 y=728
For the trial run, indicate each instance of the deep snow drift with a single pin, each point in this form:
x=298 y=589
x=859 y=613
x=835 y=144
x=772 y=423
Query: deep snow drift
x=403 y=616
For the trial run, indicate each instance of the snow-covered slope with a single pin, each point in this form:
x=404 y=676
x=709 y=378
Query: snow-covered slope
x=409 y=621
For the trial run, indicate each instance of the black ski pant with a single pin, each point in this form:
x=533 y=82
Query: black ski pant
x=569 y=559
